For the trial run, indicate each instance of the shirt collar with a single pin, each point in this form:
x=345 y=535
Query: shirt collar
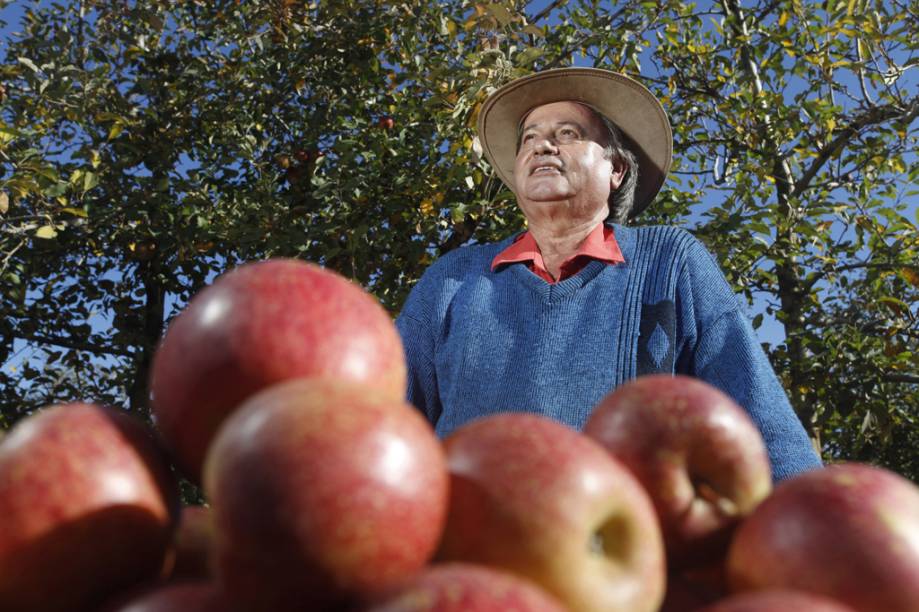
x=599 y=244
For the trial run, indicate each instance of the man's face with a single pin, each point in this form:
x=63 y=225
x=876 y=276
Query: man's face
x=561 y=169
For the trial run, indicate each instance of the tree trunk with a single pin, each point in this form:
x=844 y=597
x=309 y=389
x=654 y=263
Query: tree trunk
x=152 y=328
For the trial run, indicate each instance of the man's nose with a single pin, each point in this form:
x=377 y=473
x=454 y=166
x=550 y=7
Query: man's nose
x=545 y=146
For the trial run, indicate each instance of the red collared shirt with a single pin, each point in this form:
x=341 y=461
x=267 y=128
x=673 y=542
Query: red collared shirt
x=600 y=244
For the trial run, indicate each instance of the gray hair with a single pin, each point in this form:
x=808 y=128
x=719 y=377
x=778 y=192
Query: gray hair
x=622 y=200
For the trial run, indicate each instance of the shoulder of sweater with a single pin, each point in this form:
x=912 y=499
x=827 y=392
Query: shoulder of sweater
x=661 y=233
x=467 y=258
x=638 y=240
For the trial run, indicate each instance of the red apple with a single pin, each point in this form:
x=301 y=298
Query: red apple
x=848 y=531
x=180 y=597
x=691 y=588
x=777 y=601
x=87 y=506
x=387 y=123
x=260 y=324
x=323 y=491
x=534 y=497
x=696 y=452
x=462 y=587
x=190 y=555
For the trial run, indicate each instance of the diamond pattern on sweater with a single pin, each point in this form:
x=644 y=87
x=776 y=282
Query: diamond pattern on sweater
x=658 y=345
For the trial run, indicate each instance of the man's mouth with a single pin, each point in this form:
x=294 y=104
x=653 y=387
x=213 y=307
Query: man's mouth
x=547 y=169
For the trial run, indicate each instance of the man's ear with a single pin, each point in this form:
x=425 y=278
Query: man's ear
x=618 y=168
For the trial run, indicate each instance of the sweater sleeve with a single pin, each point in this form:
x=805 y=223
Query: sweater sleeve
x=726 y=354
x=417 y=329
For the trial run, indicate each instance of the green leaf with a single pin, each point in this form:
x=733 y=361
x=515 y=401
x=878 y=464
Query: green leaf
x=29 y=64
x=90 y=180
x=500 y=13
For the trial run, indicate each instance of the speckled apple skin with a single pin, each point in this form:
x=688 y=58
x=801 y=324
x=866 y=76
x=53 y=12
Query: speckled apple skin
x=463 y=587
x=528 y=494
x=257 y=325
x=322 y=493
x=87 y=507
x=847 y=531
x=677 y=434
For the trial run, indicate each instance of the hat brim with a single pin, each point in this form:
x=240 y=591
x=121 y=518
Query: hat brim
x=624 y=101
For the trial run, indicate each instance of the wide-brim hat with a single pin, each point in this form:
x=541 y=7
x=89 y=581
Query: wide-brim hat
x=622 y=100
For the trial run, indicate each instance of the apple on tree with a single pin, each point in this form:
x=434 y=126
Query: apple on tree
x=260 y=324
x=87 y=507
x=846 y=531
x=534 y=497
x=697 y=453
x=323 y=492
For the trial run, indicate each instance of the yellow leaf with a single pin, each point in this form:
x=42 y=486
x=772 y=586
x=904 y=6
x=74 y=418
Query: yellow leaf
x=783 y=19
x=96 y=159
x=47 y=232
x=4 y=202
x=911 y=275
x=115 y=130
x=79 y=212
x=830 y=124
x=427 y=207
x=6 y=135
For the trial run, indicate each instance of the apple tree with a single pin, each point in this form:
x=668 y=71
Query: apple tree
x=147 y=146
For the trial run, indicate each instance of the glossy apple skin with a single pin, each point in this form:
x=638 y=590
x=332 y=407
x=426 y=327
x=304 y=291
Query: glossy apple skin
x=180 y=597
x=260 y=324
x=777 y=601
x=322 y=493
x=847 y=531
x=463 y=587
x=539 y=499
x=87 y=506
x=697 y=453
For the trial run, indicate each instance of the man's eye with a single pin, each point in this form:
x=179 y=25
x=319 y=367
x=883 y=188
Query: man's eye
x=568 y=133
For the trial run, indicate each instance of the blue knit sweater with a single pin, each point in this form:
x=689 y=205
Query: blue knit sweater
x=480 y=342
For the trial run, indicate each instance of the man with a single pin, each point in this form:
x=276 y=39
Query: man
x=551 y=321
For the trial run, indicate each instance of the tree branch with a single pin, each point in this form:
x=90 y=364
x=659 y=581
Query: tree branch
x=74 y=344
x=880 y=265
x=901 y=378
x=874 y=116
x=546 y=11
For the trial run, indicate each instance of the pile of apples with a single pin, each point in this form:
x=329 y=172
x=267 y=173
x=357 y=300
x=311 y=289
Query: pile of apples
x=280 y=389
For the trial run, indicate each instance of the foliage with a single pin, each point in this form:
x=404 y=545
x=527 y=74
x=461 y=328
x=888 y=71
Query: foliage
x=146 y=147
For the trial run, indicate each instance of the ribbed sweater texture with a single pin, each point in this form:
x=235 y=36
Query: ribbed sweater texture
x=479 y=342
